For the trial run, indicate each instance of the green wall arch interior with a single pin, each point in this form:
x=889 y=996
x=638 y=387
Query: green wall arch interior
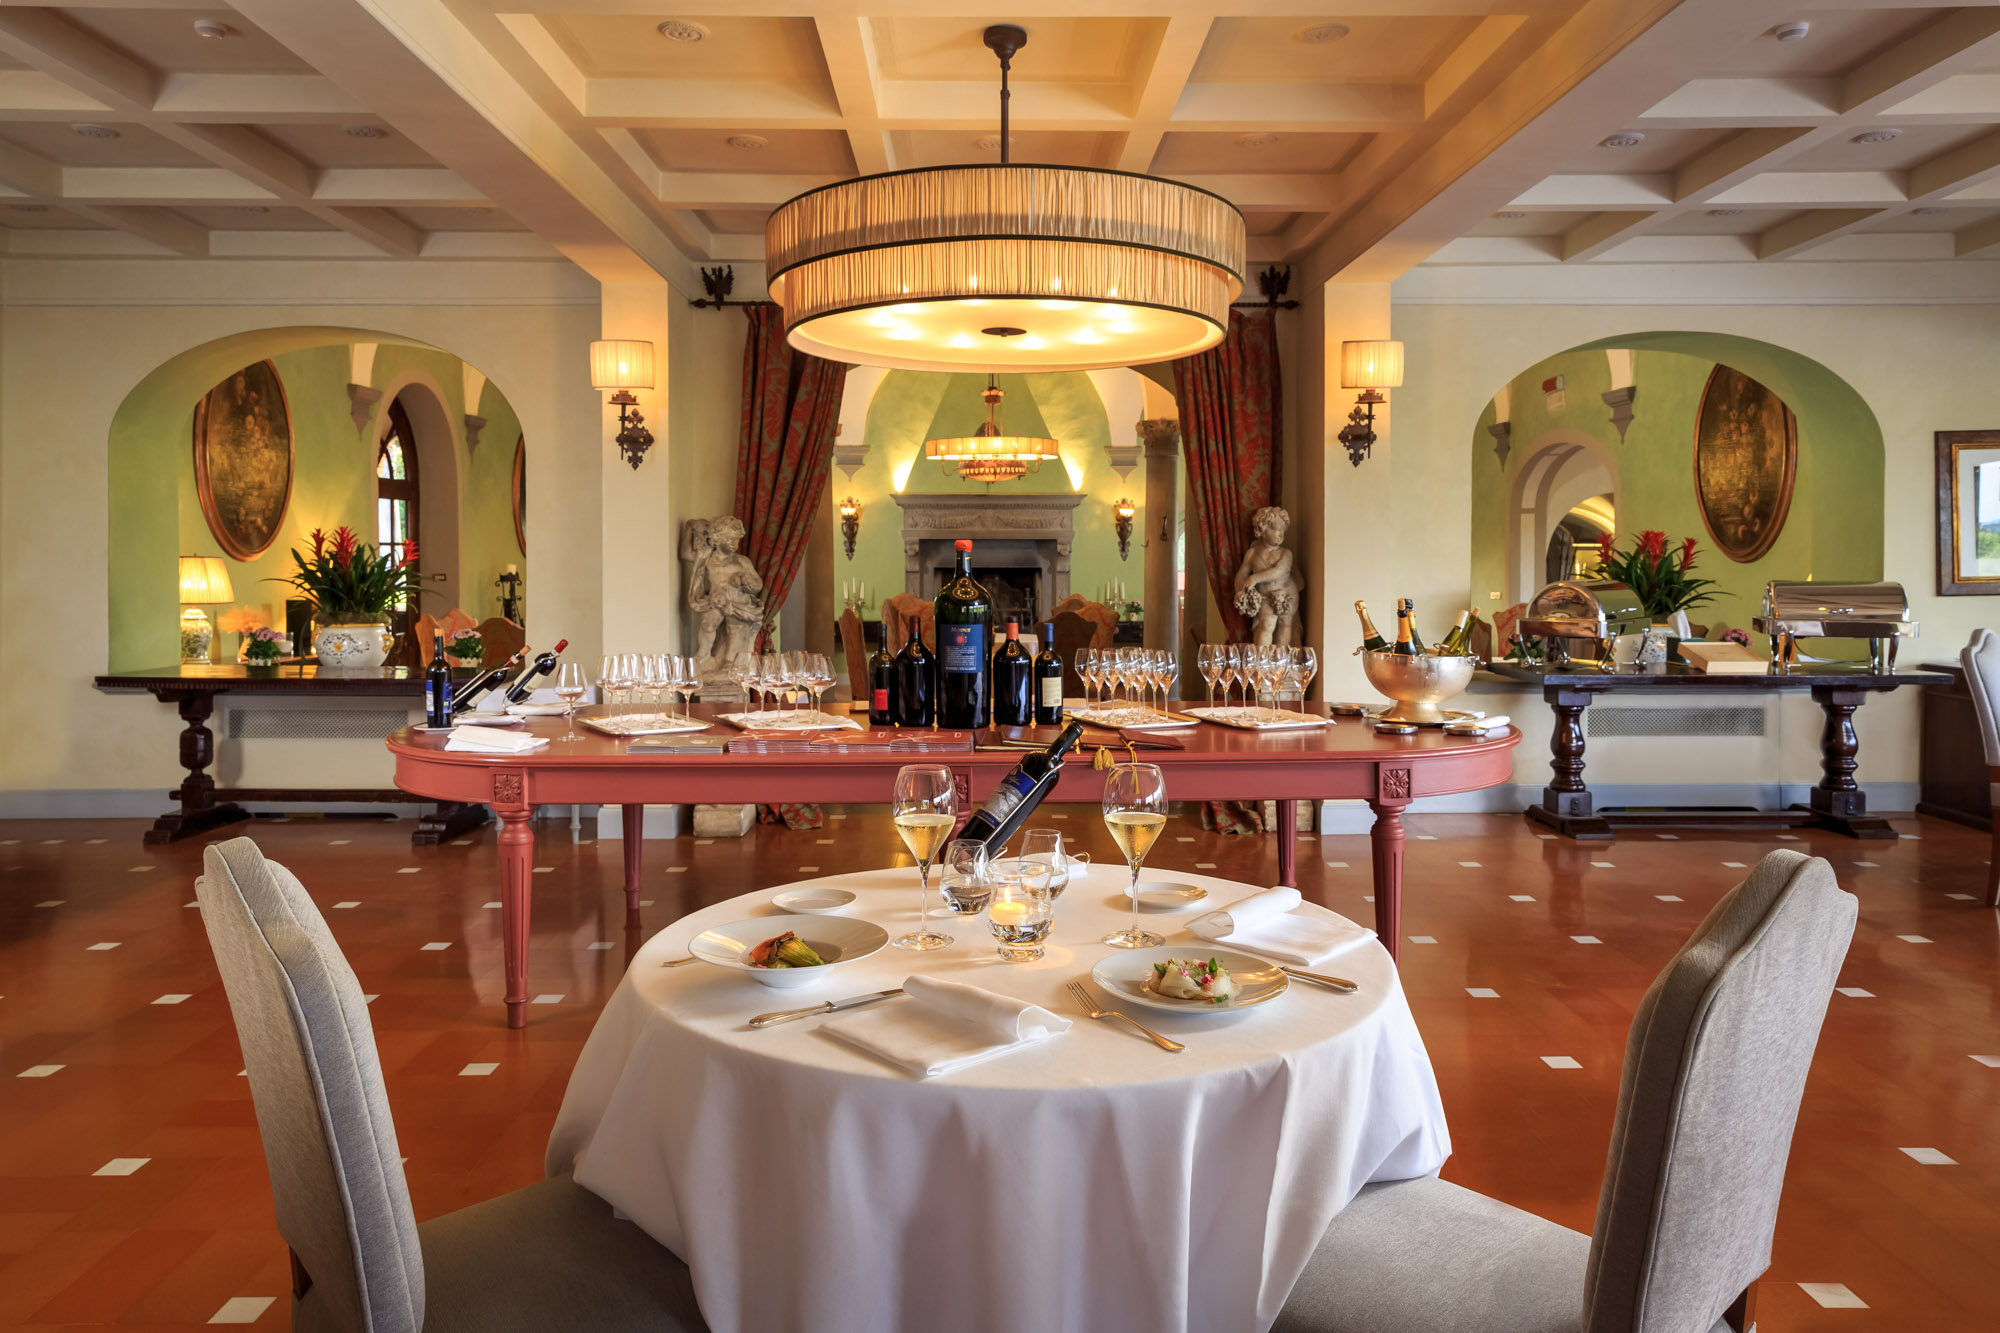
x=1835 y=527
x=150 y=457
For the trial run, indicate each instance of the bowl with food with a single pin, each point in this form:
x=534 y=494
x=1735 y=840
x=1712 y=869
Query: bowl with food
x=1190 y=978
x=787 y=951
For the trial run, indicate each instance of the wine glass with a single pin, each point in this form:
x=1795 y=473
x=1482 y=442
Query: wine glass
x=962 y=881
x=1046 y=846
x=1086 y=671
x=1135 y=810
x=1209 y=659
x=689 y=685
x=1306 y=660
x=823 y=680
x=1170 y=671
x=924 y=806
x=625 y=674
x=607 y=671
x=1229 y=657
x=570 y=687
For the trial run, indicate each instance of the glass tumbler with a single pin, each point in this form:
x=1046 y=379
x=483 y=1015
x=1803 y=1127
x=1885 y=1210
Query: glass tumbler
x=1021 y=910
x=964 y=884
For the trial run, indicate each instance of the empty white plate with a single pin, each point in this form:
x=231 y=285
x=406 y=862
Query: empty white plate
x=814 y=901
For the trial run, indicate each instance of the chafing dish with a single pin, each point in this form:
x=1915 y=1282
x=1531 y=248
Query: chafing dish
x=1597 y=612
x=1877 y=612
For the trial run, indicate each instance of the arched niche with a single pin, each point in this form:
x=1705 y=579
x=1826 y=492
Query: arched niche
x=1559 y=470
x=149 y=452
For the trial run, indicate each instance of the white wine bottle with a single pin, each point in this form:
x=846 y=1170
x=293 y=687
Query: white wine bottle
x=1453 y=643
x=1371 y=638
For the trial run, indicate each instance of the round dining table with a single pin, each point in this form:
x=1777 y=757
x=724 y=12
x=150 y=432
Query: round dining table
x=1090 y=1181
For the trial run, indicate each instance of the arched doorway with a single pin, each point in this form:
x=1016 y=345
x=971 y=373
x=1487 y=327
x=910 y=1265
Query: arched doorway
x=1560 y=473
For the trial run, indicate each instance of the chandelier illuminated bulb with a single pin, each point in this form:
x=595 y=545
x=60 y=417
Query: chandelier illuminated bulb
x=989 y=454
x=1021 y=267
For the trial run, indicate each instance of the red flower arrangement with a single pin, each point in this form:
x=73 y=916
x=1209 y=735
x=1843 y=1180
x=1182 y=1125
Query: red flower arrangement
x=348 y=577
x=1664 y=583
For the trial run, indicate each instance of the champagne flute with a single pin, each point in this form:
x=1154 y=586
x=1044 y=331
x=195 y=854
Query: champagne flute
x=1135 y=810
x=1307 y=660
x=1209 y=659
x=1170 y=671
x=1086 y=671
x=924 y=806
x=570 y=687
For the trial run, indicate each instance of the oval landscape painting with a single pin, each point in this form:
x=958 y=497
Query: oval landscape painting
x=243 y=459
x=1746 y=453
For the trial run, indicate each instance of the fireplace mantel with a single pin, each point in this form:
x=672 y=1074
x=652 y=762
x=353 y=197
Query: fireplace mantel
x=1047 y=519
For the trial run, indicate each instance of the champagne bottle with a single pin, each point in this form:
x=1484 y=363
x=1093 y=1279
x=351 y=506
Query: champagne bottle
x=1048 y=682
x=1020 y=792
x=1405 y=636
x=1013 y=681
x=916 y=681
x=1409 y=608
x=462 y=700
x=1453 y=643
x=882 y=681
x=962 y=611
x=544 y=665
x=1371 y=638
x=437 y=687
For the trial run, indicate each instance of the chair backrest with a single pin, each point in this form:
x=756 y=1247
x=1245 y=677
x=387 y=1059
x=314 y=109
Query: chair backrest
x=896 y=613
x=1073 y=633
x=1102 y=618
x=854 y=646
x=1714 y=1069
x=336 y=1174
x=502 y=638
x=1981 y=660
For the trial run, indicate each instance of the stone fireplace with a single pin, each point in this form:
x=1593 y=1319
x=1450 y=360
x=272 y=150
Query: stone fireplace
x=1021 y=546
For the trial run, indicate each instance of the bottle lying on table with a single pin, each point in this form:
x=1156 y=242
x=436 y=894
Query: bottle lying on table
x=1026 y=787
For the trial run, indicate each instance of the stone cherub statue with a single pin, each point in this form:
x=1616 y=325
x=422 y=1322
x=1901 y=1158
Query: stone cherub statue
x=724 y=591
x=1267 y=588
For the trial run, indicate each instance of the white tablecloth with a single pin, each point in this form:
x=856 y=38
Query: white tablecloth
x=1091 y=1182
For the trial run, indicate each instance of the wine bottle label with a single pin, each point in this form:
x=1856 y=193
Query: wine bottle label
x=962 y=648
x=1013 y=790
x=1052 y=692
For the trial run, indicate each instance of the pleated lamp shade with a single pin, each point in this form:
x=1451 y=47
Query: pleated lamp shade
x=1371 y=365
x=1008 y=267
x=621 y=364
x=204 y=578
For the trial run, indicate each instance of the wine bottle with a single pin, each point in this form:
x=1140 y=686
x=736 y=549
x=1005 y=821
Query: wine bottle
x=1405 y=636
x=916 y=681
x=462 y=700
x=882 y=681
x=1371 y=638
x=437 y=687
x=544 y=665
x=1409 y=608
x=964 y=688
x=1453 y=643
x=1048 y=682
x=1020 y=792
x=1013 y=680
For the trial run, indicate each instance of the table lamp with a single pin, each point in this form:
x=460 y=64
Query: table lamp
x=204 y=578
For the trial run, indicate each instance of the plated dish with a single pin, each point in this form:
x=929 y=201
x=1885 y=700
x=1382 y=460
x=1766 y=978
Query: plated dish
x=835 y=940
x=1134 y=977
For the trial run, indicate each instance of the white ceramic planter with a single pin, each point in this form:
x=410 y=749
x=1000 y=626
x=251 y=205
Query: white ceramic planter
x=359 y=646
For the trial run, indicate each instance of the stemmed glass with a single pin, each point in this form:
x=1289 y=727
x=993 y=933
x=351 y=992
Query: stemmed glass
x=570 y=687
x=1046 y=846
x=1230 y=658
x=1209 y=659
x=1135 y=810
x=1086 y=671
x=924 y=806
x=625 y=673
x=821 y=679
x=1306 y=662
x=1170 y=671
x=607 y=671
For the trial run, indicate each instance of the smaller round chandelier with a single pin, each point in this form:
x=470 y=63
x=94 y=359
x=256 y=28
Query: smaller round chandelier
x=989 y=454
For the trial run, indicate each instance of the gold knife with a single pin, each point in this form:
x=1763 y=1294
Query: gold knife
x=1341 y=984
x=824 y=1007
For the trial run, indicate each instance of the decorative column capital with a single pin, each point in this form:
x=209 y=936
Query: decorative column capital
x=1503 y=439
x=1160 y=435
x=1620 y=403
x=361 y=402
x=473 y=425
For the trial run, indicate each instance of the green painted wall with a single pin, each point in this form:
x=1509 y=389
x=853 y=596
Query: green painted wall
x=910 y=407
x=1833 y=530
x=151 y=458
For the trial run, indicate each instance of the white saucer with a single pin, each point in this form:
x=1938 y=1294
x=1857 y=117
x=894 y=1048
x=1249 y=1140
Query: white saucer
x=812 y=901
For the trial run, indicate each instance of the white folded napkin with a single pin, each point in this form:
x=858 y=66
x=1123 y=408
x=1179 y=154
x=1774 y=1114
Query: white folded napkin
x=490 y=740
x=943 y=1026
x=1280 y=924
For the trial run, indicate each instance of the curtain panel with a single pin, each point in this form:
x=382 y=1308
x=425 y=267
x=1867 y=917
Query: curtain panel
x=1232 y=414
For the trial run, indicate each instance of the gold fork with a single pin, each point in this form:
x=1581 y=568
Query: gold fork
x=678 y=962
x=1090 y=1008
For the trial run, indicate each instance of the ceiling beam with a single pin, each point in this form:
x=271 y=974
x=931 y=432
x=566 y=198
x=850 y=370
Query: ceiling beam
x=1797 y=235
x=849 y=46
x=1161 y=89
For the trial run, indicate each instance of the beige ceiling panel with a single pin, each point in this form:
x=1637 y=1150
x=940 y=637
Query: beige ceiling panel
x=939 y=148
x=1839 y=40
x=1268 y=224
x=753 y=48
x=1915 y=143
x=1549 y=223
x=735 y=221
x=1660 y=150
x=1182 y=152
x=817 y=152
x=1375 y=50
x=1059 y=50
x=1725 y=222
x=135 y=146
x=330 y=146
x=252 y=217
x=164 y=38
x=1934 y=220
x=457 y=219
x=44 y=217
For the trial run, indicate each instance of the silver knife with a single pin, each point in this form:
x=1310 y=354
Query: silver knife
x=824 y=1007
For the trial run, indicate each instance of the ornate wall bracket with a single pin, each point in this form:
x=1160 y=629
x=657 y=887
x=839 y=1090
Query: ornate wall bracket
x=361 y=402
x=473 y=425
x=1503 y=439
x=1620 y=403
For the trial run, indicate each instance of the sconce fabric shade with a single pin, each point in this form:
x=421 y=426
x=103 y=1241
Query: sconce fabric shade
x=204 y=578
x=621 y=364
x=1371 y=365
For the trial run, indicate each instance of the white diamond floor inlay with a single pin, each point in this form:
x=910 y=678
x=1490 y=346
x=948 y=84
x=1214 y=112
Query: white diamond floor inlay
x=552 y=998
x=478 y=1069
x=1521 y=897
x=1482 y=992
x=1914 y=939
x=1668 y=897
x=121 y=1166
x=1928 y=1157
x=173 y=999
x=436 y=946
x=1562 y=1062
x=1855 y=992
x=1586 y=939
x=1833 y=1296
x=40 y=1071
x=242 y=1310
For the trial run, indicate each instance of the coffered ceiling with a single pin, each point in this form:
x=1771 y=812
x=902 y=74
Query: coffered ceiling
x=1359 y=138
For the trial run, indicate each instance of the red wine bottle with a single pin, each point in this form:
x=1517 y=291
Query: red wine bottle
x=1020 y=792
x=1048 y=682
x=545 y=665
x=1013 y=681
x=463 y=700
x=882 y=681
x=962 y=612
x=437 y=687
x=916 y=681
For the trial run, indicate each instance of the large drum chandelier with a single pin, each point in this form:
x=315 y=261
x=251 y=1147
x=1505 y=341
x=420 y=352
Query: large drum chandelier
x=989 y=454
x=1022 y=268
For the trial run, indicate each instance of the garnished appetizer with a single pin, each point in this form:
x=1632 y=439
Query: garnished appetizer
x=1193 y=979
x=786 y=950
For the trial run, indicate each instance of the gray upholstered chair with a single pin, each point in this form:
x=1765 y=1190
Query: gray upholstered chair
x=1981 y=660
x=1714 y=1068
x=548 y=1257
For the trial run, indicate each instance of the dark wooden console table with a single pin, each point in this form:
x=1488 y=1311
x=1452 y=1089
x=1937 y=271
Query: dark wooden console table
x=1837 y=802
x=204 y=808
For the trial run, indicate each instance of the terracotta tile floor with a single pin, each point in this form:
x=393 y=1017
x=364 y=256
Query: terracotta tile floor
x=1540 y=951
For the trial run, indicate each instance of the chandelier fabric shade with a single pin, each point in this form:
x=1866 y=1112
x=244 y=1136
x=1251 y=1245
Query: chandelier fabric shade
x=1014 y=267
x=989 y=455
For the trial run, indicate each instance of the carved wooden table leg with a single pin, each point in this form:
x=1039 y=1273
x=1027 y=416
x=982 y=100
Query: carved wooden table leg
x=1288 y=843
x=517 y=875
x=198 y=813
x=1386 y=842
x=1838 y=802
x=635 y=848
x=1566 y=806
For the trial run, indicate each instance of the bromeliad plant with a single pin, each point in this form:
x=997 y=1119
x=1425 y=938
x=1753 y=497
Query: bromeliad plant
x=347 y=578
x=1662 y=581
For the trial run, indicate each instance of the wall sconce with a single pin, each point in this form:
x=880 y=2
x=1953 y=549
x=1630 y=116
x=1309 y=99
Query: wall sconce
x=850 y=523
x=1368 y=366
x=1122 y=513
x=625 y=366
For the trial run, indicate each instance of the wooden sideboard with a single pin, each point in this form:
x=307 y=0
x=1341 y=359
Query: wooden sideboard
x=1951 y=772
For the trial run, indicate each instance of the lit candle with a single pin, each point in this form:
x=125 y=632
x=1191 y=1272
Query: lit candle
x=1007 y=912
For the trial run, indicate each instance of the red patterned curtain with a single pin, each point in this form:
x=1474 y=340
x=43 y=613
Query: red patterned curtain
x=791 y=403
x=1231 y=426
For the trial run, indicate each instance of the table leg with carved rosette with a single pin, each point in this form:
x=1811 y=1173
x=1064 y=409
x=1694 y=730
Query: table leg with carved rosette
x=1385 y=840
x=517 y=875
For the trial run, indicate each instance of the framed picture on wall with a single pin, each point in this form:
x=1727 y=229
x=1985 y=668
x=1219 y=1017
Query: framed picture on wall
x=521 y=493
x=243 y=459
x=1746 y=459
x=1968 y=513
